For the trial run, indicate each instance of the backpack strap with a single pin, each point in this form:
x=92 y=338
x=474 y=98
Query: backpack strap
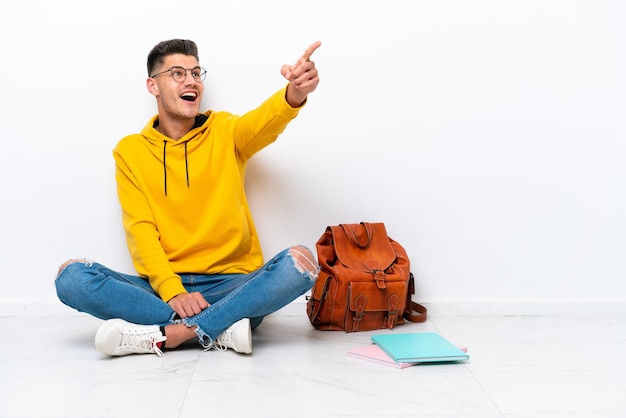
x=413 y=312
x=317 y=297
x=420 y=316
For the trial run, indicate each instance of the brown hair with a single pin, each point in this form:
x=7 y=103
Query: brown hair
x=172 y=46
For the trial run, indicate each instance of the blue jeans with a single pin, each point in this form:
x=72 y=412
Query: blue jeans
x=95 y=289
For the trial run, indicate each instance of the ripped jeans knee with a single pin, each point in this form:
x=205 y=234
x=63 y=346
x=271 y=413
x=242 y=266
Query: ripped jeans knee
x=72 y=261
x=304 y=261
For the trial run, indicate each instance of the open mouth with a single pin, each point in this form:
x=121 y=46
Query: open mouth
x=189 y=96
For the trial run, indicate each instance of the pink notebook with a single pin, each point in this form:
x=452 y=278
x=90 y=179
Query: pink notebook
x=375 y=354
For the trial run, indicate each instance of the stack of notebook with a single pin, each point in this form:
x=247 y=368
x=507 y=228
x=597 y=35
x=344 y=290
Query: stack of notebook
x=404 y=350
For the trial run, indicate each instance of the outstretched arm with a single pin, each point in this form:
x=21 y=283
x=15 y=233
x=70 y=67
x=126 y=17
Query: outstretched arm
x=302 y=76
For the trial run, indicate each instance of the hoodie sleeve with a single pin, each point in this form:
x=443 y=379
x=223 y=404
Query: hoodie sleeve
x=142 y=236
x=260 y=127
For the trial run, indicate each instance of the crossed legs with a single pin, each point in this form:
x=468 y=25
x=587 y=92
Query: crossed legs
x=98 y=291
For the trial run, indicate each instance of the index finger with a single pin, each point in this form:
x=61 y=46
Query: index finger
x=310 y=50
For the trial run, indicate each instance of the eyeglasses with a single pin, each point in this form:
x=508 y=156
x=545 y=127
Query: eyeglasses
x=179 y=74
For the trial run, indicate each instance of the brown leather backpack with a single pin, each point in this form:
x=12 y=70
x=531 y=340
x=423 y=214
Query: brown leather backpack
x=365 y=282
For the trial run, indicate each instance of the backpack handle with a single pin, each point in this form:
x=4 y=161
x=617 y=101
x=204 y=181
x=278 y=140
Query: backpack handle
x=352 y=236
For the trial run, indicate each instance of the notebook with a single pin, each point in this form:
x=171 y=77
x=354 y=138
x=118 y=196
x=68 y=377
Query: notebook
x=419 y=347
x=375 y=354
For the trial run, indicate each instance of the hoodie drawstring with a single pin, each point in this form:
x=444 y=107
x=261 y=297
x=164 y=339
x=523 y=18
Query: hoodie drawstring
x=186 y=165
x=165 y=167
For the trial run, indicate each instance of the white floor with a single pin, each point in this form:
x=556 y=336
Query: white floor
x=520 y=366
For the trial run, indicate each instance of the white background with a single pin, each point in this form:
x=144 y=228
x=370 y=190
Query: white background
x=487 y=135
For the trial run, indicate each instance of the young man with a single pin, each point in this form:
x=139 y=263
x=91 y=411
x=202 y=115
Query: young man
x=189 y=230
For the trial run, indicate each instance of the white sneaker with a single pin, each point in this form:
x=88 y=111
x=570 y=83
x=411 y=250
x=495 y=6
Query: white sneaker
x=117 y=337
x=238 y=337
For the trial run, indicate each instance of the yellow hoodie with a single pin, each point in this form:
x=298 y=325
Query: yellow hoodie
x=184 y=207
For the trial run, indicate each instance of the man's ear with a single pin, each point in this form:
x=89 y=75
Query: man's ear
x=152 y=87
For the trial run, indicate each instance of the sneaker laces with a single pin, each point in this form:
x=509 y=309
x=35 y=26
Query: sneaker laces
x=137 y=339
x=223 y=342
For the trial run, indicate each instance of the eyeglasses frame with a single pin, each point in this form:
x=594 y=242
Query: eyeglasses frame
x=169 y=70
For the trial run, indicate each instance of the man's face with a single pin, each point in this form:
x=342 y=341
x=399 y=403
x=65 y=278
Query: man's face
x=178 y=99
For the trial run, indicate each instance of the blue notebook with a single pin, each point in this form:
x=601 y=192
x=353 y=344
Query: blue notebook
x=419 y=347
